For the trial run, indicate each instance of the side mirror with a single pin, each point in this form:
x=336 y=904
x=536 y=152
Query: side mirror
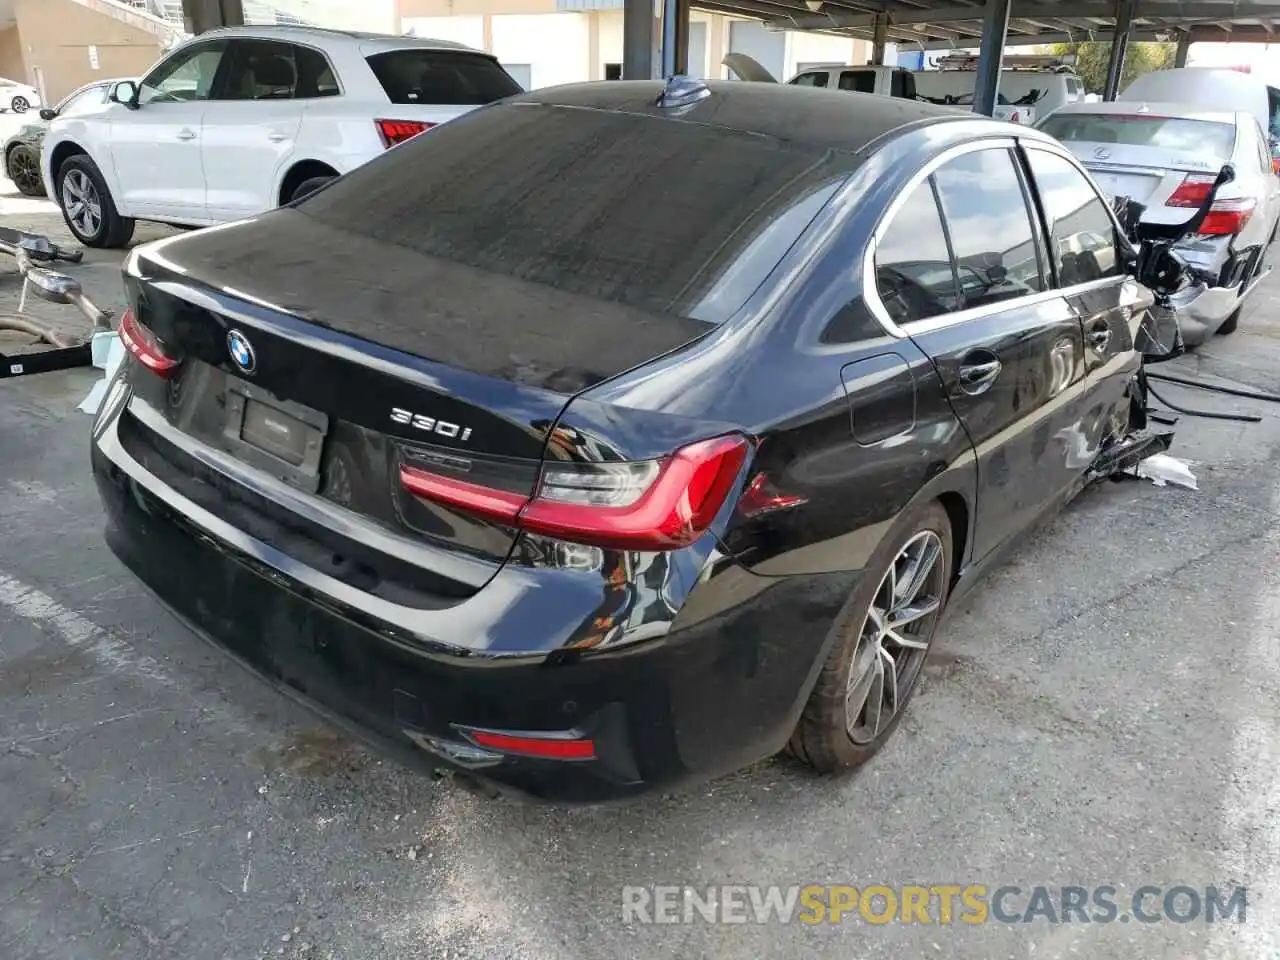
x=48 y=113
x=125 y=93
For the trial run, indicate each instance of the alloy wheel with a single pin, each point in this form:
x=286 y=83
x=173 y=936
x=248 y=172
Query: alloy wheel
x=24 y=171
x=82 y=203
x=895 y=637
x=19 y=104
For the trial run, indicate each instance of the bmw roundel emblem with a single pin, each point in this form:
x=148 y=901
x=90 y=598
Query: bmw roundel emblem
x=241 y=349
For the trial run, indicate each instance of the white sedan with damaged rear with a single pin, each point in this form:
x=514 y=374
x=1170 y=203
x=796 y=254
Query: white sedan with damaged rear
x=1166 y=157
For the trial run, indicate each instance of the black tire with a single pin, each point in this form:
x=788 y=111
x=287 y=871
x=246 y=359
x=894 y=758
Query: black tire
x=23 y=168
x=823 y=738
x=1232 y=323
x=19 y=104
x=308 y=186
x=109 y=230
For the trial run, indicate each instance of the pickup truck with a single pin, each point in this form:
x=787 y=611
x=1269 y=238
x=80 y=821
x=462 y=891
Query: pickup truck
x=882 y=80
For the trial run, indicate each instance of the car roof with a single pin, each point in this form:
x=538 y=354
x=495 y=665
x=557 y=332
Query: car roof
x=1132 y=108
x=389 y=41
x=825 y=119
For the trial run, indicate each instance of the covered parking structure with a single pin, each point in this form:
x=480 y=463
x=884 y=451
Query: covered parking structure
x=990 y=25
x=656 y=34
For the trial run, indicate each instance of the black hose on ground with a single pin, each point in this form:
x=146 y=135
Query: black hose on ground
x=1206 y=414
x=1213 y=388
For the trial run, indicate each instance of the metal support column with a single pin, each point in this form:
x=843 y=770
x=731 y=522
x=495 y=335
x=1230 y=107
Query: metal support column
x=1184 y=47
x=880 y=36
x=639 y=31
x=1119 y=46
x=675 y=37
x=995 y=27
x=202 y=15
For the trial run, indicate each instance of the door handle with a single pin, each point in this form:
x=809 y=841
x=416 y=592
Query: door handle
x=277 y=137
x=978 y=377
x=186 y=134
x=1100 y=337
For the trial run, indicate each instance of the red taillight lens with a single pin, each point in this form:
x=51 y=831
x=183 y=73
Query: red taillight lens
x=143 y=346
x=1192 y=191
x=398 y=131
x=1227 y=218
x=552 y=748
x=645 y=505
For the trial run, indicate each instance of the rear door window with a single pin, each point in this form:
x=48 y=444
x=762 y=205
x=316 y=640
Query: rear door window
x=269 y=70
x=915 y=279
x=859 y=81
x=1082 y=235
x=672 y=217
x=441 y=77
x=985 y=209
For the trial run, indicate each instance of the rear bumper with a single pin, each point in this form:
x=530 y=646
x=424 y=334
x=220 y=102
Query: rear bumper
x=1227 y=278
x=1200 y=316
x=718 y=691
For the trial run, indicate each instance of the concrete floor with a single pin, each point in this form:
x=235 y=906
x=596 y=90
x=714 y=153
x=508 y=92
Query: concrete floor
x=1104 y=710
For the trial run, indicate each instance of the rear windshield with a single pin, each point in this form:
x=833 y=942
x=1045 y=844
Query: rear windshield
x=1200 y=137
x=441 y=77
x=666 y=215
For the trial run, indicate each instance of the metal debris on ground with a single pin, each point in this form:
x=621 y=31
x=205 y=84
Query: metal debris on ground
x=108 y=354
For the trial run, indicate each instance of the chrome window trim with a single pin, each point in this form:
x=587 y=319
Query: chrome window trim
x=872 y=296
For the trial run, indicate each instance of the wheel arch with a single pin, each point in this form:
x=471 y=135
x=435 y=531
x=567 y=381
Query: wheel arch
x=958 y=512
x=59 y=155
x=298 y=172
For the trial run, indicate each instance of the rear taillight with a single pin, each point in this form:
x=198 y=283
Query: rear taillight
x=143 y=346
x=645 y=505
x=1192 y=191
x=398 y=131
x=1225 y=217
x=547 y=746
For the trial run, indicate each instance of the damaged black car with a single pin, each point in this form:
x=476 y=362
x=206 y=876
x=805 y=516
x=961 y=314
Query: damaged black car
x=623 y=434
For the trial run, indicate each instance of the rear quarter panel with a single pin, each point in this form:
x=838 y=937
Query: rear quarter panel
x=770 y=374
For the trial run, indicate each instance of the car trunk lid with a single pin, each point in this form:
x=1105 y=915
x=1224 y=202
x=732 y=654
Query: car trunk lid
x=441 y=377
x=1145 y=156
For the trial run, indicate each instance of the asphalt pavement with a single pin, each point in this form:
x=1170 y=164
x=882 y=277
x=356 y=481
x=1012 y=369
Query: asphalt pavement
x=1105 y=710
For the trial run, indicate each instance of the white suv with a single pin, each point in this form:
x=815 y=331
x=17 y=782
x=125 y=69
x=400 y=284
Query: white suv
x=243 y=119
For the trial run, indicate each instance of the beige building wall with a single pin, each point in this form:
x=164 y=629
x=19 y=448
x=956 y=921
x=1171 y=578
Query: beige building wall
x=12 y=66
x=53 y=38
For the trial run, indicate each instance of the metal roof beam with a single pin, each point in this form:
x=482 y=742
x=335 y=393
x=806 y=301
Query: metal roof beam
x=1164 y=9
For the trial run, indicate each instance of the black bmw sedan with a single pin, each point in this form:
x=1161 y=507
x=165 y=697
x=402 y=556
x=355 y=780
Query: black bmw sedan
x=620 y=434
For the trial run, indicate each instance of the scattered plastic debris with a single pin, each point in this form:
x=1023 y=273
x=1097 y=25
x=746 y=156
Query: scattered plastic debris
x=1162 y=469
x=108 y=354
